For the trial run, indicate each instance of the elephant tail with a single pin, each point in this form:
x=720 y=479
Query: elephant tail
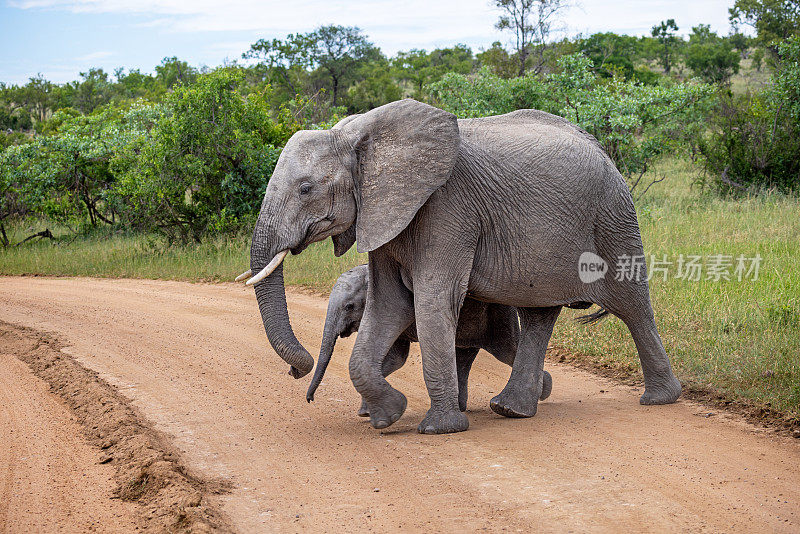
x=593 y=318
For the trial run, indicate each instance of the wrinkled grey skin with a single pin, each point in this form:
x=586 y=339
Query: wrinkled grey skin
x=492 y=327
x=498 y=208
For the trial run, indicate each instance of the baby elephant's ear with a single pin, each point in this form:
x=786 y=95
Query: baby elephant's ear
x=405 y=150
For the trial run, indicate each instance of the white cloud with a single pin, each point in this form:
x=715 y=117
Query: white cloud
x=390 y=24
x=443 y=18
x=94 y=56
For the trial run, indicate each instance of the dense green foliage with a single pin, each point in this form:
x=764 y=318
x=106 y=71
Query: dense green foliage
x=635 y=123
x=206 y=161
x=187 y=152
x=754 y=139
x=711 y=57
x=773 y=20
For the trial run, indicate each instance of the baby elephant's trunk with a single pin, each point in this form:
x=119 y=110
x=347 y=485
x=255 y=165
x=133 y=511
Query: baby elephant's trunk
x=329 y=338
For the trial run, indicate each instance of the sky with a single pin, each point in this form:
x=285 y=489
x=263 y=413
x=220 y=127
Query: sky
x=61 y=38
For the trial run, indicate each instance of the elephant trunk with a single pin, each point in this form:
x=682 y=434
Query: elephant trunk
x=329 y=337
x=271 y=296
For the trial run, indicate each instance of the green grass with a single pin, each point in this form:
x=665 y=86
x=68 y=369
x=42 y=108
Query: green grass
x=740 y=339
x=141 y=256
x=748 y=79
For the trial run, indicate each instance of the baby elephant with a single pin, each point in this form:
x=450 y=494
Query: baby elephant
x=492 y=327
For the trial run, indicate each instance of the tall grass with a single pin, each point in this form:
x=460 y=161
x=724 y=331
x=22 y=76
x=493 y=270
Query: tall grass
x=741 y=339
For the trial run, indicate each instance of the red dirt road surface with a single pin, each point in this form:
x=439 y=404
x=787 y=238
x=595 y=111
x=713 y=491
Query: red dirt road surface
x=194 y=360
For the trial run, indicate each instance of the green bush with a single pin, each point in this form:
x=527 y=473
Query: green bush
x=634 y=122
x=65 y=176
x=754 y=140
x=204 y=162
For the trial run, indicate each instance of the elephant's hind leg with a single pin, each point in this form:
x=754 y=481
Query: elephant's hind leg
x=465 y=357
x=660 y=384
x=521 y=395
x=632 y=305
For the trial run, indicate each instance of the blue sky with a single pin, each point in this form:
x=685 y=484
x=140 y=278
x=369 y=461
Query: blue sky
x=60 y=38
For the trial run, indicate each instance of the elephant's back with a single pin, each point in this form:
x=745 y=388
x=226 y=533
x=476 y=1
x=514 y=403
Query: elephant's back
x=531 y=140
x=527 y=121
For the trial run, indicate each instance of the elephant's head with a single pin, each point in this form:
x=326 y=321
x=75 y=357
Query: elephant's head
x=362 y=180
x=345 y=309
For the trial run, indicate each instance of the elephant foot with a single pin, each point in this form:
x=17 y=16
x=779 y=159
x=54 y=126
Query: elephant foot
x=443 y=422
x=512 y=403
x=666 y=392
x=363 y=411
x=547 y=385
x=388 y=410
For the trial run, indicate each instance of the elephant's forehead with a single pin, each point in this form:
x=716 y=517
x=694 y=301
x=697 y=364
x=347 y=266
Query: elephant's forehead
x=306 y=147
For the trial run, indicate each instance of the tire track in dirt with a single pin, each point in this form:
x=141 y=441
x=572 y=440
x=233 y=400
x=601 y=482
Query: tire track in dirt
x=193 y=359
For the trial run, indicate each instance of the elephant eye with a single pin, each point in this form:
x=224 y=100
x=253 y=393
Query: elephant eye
x=348 y=306
x=305 y=187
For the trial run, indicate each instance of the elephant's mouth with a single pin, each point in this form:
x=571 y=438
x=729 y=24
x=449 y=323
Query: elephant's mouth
x=351 y=329
x=316 y=231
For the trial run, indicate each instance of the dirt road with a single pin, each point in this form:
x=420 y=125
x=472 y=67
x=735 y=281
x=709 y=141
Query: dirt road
x=194 y=359
x=50 y=478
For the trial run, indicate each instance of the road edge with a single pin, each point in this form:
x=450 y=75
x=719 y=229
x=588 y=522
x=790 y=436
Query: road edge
x=786 y=424
x=149 y=470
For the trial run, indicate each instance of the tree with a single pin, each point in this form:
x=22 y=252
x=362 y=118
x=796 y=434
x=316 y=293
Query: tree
x=338 y=50
x=710 y=56
x=37 y=97
x=610 y=53
x=94 y=91
x=740 y=42
x=66 y=176
x=773 y=20
x=284 y=60
x=634 y=123
x=375 y=87
x=172 y=71
x=135 y=84
x=497 y=59
x=421 y=68
x=753 y=140
x=664 y=33
x=10 y=199
x=531 y=21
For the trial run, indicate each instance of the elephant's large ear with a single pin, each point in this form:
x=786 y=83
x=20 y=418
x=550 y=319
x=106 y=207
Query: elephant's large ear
x=406 y=150
x=341 y=123
x=342 y=242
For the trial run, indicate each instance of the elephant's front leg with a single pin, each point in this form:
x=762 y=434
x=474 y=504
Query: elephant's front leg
x=437 y=311
x=394 y=360
x=389 y=310
x=521 y=395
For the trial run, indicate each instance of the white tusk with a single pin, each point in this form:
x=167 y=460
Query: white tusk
x=244 y=275
x=271 y=266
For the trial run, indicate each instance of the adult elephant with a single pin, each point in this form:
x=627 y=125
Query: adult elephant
x=506 y=209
